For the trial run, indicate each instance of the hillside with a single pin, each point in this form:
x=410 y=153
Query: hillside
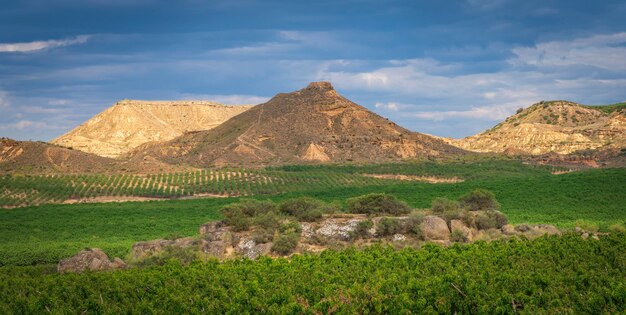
x=129 y=124
x=314 y=124
x=558 y=126
x=40 y=157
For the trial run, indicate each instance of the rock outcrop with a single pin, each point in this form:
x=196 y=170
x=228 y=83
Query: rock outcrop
x=557 y=126
x=435 y=228
x=92 y=259
x=130 y=123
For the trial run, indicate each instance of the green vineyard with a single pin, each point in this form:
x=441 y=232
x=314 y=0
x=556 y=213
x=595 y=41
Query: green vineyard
x=18 y=191
x=27 y=190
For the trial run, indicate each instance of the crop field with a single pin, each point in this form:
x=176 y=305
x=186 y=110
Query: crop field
x=565 y=275
x=528 y=194
x=23 y=190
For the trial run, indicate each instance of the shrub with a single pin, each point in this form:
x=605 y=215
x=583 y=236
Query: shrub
x=479 y=199
x=388 y=226
x=363 y=227
x=377 y=203
x=183 y=255
x=261 y=235
x=239 y=215
x=490 y=220
x=458 y=236
x=285 y=243
x=290 y=227
x=305 y=208
x=441 y=205
x=269 y=221
x=413 y=224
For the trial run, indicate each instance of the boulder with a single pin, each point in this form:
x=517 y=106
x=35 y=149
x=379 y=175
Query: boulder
x=148 y=248
x=399 y=238
x=585 y=235
x=508 y=229
x=210 y=227
x=458 y=225
x=547 y=229
x=250 y=249
x=337 y=230
x=214 y=248
x=92 y=259
x=435 y=228
x=523 y=228
x=185 y=242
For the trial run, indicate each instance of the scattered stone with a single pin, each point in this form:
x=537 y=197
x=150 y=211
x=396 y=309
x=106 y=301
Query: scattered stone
x=307 y=230
x=523 y=228
x=578 y=229
x=92 y=259
x=548 y=229
x=585 y=235
x=595 y=237
x=399 y=238
x=214 y=248
x=435 y=228
x=508 y=229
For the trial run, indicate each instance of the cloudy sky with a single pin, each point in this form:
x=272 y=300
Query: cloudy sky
x=448 y=67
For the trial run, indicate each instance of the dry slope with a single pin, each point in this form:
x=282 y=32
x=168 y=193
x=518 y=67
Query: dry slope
x=557 y=126
x=314 y=124
x=129 y=124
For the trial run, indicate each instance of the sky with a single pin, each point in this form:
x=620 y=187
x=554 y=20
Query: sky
x=450 y=68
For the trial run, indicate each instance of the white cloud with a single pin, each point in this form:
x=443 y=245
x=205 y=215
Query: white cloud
x=602 y=51
x=41 y=45
x=390 y=106
x=236 y=99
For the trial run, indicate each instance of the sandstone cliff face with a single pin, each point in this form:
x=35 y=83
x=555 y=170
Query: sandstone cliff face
x=129 y=124
x=314 y=124
x=559 y=126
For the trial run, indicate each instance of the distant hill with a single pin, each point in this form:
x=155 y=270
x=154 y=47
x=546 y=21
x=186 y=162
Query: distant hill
x=314 y=124
x=41 y=157
x=557 y=126
x=129 y=124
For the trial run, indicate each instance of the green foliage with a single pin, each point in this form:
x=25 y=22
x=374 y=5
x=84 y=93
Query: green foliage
x=549 y=275
x=284 y=244
x=490 y=219
x=413 y=224
x=586 y=225
x=240 y=215
x=305 y=208
x=479 y=199
x=458 y=236
x=171 y=253
x=617 y=228
x=377 y=204
x=388 y=226
x=447 y=209
x=362 y=228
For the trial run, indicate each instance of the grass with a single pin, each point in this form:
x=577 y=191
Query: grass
x=44 y=234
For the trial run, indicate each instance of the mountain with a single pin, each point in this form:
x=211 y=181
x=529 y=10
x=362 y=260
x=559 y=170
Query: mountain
x=40 y=157
x=557 y=126
x=314 y=124
x=129 y=124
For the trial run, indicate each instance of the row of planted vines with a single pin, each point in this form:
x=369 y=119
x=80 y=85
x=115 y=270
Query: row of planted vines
x=20 y=190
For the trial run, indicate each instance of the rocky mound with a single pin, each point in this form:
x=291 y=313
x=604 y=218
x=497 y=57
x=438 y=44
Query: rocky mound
x=92 y=259
x=314 y=124
x=129 y=124
x=557 y=126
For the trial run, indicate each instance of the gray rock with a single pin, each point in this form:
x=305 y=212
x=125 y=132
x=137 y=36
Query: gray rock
x=337 y=230
x=148 y=248
x=210 y=227
x=458 y=225
x=399 y=238
x=435 y=228
x=250 y=249
x=523 y=228
x=214 y=248
x=92 y=259
x=548 y=229
x=585 y=235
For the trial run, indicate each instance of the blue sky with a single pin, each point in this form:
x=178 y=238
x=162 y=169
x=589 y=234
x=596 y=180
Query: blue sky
x=449 y=68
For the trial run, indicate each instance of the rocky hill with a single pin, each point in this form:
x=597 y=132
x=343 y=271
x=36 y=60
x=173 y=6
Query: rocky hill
x=314 y=124
x=129 y=124
x=558 y=126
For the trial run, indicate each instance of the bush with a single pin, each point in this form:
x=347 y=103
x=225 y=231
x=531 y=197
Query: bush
x=617 y=228
x=441 y=205
x=458 y=236
x=490 y=220
x=362 y=228
x=377 y=203
x=290 y=227
x=269 y=221
x=413 y=224
x=305 y=208
x=183 y=255
x=239 y=215
x=285 y=243
x=388 y=226
x=261 y=235
x=479 y=199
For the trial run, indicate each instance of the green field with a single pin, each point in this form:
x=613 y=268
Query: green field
x=555 y=275
x=528 y=194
